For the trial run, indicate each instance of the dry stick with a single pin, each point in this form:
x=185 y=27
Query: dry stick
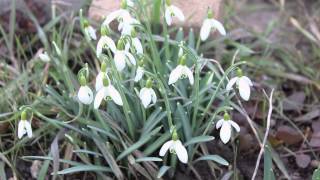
x=265 y=136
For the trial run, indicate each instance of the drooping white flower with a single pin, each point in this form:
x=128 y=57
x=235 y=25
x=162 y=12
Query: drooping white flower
x=85 y=94
x=172 y=11
x=24 y=126
x=122 y=57
x=139 y=74
x=105 y=42
x=107 y=91
x=226 y=125
x=175 y=146
x=181 y=71
x=102 y=74
x=89 y=31
x=208 y=24
x=137 y=45
x=126 y=21
x=147 y=94
x=44 y=56
x=243 y=84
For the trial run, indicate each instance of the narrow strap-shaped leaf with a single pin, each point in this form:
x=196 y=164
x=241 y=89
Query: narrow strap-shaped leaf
x=215 y=158
x=162 y=171
x=199 y=139
x=84 y=168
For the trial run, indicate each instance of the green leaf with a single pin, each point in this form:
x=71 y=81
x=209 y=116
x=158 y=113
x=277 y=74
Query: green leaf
x=138 y=144
x=185 y=122
x=267 y=172
x=199 y=139
x=162 y=171
x=316 y=174
x=146 y=159
x=84 y=168
x=215 y=158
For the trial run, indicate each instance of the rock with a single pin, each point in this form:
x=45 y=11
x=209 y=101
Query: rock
x=194 y=10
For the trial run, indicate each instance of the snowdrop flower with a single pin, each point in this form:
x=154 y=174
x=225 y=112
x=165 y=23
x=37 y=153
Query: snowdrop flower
x=89 y=31
x=243 y=84
x=126 y=21
x=85 y=94
x=175 y=146
x=122 y=56
x=105 y=42
x=180 y=72
x=136 y=42
x=208 y=24
x=44 y=56
x=226 y=125
x=147 y=94
x=107 y=92
x=24 y=126
x=140 y=71
x=100 y=76
x=172 y=11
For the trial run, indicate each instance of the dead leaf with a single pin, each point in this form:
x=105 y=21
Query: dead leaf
x=315 y=139
x=316 y=126
x=294 y=102
x=309 y=116
x=35 y=168
x=288 y=135
x=303 y=160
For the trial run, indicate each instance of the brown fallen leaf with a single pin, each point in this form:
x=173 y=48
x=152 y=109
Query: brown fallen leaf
x=309 y=116
x=35 y=168
x=315 y=139
x=288 y=135
x=294 y=102
x=303 y=160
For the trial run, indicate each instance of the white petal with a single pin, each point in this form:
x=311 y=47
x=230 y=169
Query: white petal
x=181 y=151
x=99 y=96
x=85 y=95
x=131 y=58
x=145 y=96
x=244 y=89
x=216 y=24
x=219 y=123
x=177 y=12
x=28 y=128
x=205 y=29
x=137 y=45
x=119 y=60
x=92 y=32
x=105 y=41
x=180 y=53
x=21 y=129
x=175 y=74
x=225 y=132
x=44 y=57
x=189 y=74
x=99 y=81
x=165 y=147
x=114 y=94
x=168 y=17
x=126 y=29
x=231 y=83
x=153 y=96
x=139 y=74
x=113 y=15
x=248 y=80
x=130 y=3
x=235 y=125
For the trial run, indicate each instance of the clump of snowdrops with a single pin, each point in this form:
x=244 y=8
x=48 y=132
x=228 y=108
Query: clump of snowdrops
x=150 y=101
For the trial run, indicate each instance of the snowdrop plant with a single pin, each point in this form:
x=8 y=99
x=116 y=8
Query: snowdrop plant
x=89 y=31
x=24 y=126
x=150 y=110
x=210 y=23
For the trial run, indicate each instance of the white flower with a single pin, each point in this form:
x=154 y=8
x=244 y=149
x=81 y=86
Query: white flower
x=181 y=71
x=146 y=95
x=107 y=91
x=225 y=131
x=207 y=25
x=137 y=45
x=121 y=57
x=24 y=127
x=85 y=95
x=44 y=57
x=173 y=11
x=99 y=80
x=243 y=83
x=139 y=74
x=175 y=146
x=90 y=32
x=130 y=3
x=105 y=42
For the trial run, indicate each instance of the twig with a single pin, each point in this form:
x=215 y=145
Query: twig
x=265 y=136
